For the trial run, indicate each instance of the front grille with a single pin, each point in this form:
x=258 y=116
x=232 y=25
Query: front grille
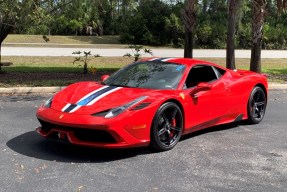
x=46 y=127
x=94 y=136
x=86 y=135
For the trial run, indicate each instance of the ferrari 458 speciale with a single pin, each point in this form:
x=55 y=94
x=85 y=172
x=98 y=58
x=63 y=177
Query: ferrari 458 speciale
x=153 y=102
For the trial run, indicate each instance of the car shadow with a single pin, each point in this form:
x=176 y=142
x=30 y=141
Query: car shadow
x=33 y=145
x=214 y=129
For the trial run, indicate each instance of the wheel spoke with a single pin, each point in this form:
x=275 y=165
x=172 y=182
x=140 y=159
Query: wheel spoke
x=175 y=128
x=162 y=131
x=258 y=96
x=174 y=114
x=256 y=105
x=167 y=127
x=168 y=137
x=260 y=103
x=258 y=114
x=254 y=114
x=165 y=118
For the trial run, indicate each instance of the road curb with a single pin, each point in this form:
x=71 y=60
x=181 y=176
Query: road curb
x=28 y=90
x=274 y=86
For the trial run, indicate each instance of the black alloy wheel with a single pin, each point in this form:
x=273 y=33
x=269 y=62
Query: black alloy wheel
x=167 y=127
x=256 y=105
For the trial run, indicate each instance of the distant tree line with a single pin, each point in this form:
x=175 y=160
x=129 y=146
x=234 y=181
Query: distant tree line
x=149 y=22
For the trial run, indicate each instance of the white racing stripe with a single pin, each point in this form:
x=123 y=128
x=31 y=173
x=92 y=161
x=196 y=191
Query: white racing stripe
x=66 y=107
x=91 y=102
x=88 y=95
x=164 y=60
x=103 y=95
x=153 y=59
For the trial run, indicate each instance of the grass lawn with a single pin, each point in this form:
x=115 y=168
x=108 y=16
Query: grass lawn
x=61 y=64
x=107 y=39
x=60 y=71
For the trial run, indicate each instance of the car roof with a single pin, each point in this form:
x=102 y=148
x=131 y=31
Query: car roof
x=185 y=61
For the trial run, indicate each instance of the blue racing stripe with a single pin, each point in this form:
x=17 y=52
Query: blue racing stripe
x=86 y=101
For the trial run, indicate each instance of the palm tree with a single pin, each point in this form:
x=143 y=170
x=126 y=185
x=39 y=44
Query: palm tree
x=281 y=5
x=189 y=19
x=233 y=8
x=259 y=10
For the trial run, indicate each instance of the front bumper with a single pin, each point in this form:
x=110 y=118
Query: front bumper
x=129 y=130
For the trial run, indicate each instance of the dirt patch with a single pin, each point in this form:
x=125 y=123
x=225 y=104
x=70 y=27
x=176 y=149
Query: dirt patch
x=277 y=78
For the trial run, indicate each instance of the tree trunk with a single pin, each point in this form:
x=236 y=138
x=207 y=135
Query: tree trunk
x=255 y=63
x=204 y=6
x=0 y=57
x=189 y=18
x=1 y=25
x=4 y=32
x=281 y=5
x=188 y=45
x=259 y=9
x=85 y=68
x=232 y=15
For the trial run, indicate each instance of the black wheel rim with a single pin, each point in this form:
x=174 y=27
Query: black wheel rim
x=169 y=126
x=258 y=104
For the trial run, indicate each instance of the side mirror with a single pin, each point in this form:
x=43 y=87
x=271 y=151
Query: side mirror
x=104 y=77
x=200 y=87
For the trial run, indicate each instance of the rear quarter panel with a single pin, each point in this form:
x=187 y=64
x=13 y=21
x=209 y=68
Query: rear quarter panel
x=240 y=86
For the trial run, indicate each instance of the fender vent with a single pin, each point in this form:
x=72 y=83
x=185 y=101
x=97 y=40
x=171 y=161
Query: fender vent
x=101 y=114
x=140 y=106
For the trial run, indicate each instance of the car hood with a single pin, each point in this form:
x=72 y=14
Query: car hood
x=91 y=97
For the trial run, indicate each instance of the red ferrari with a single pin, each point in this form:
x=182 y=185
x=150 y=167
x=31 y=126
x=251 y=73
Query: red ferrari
x=153 y=102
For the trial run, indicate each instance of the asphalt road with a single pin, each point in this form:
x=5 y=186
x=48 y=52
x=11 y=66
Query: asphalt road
x=226 y=158
x=54 y=51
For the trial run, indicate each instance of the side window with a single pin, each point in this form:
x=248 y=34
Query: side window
x=219 y=72
x=201 y=73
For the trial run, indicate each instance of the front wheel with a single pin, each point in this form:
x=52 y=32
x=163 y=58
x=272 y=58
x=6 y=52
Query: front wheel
x=256 y=105
x=167 y=127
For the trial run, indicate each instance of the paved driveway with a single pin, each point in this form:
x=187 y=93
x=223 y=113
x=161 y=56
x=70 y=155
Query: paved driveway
x=225 y=158
x=54 y=51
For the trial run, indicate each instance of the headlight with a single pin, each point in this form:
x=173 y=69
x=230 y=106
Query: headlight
x=48 y=103
x=118 y=110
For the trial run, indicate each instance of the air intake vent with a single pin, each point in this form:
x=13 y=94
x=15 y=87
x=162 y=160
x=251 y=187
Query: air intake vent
x=101 y=114
x=140 y=106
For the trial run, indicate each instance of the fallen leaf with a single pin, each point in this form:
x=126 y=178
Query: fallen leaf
x=80 y=188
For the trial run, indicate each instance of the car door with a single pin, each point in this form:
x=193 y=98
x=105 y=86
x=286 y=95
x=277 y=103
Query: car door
x=206 y=96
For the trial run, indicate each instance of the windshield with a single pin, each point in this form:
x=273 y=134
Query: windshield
x=151 y=75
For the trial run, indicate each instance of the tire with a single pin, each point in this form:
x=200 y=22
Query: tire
x=167 y=127
x=256 y=105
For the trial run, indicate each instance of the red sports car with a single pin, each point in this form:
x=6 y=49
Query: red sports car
x=153 y=102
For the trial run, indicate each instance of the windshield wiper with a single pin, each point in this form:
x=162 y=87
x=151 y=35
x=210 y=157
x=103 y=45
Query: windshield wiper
x=118 y=85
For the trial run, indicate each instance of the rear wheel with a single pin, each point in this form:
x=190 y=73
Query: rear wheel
x=256 y=105
x=167 y=127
